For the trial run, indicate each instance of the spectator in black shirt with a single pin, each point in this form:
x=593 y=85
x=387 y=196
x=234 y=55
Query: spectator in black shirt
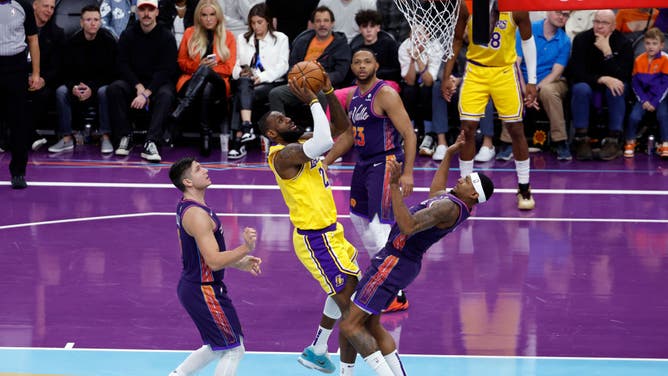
x=147 y=68
x=89 y=67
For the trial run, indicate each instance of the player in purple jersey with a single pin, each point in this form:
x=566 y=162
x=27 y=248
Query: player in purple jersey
x=201 y=289
x=379 y=123
x=399 y=262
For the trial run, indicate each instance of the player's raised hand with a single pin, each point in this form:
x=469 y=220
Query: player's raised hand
x=395 y=171
x=328 y=84
x=301 y=90
x=250 y=238
x=457 y=145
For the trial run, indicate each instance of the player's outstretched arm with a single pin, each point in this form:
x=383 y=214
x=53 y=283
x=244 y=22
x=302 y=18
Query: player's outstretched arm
x=440 y=181
x=439 y=212
x=448 y=87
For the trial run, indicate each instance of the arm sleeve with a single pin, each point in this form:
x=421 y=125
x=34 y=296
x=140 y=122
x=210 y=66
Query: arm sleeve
x=322 y=134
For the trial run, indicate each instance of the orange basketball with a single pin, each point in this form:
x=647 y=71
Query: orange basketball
x=308 y=73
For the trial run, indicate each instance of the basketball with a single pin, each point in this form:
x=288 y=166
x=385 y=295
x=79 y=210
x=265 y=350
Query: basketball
x=309 y=73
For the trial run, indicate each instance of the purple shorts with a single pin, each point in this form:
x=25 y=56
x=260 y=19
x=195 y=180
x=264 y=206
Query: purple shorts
x=212 y=312
x=370 y=188
x=381 y=282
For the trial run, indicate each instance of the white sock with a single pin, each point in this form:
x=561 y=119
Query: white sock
x=347 y=369
x=465 y=168
x=395 y=364
x=227 y=366
x=378 y=364
x=197 y=360
x=321 y=339
x=522 y=169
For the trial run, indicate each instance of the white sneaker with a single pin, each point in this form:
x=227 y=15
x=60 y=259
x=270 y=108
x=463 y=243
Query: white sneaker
x=124 y=146
x=37 y=144
x=485 y=154
x=427 y=146
x=439 y=154
x=106 y=147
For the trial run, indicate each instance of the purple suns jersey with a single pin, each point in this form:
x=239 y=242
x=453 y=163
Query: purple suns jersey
x=414 y=246
x=195 y=268
x=373 y=134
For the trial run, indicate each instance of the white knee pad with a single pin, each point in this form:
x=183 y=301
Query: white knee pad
x=229 y=361
x=331 y=309
x=380 y=232
x=361 y=225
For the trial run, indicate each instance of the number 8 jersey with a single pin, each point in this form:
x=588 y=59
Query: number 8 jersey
x=308 y=195
x=500 y=51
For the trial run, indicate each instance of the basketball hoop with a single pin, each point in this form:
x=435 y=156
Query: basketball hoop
x=430 y=20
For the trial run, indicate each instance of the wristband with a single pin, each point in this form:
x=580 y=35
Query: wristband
x=313 y=101
x=330 y=91
x=144 y=95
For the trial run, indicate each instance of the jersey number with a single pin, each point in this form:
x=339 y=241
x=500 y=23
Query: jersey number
x=359 y=136
x=323 y=175
x=495 y=40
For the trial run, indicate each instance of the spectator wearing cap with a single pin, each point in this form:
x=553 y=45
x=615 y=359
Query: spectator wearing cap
x=147 y=66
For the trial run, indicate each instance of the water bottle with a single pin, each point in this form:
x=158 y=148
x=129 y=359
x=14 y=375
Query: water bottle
x=87 y=133
x=650 y=144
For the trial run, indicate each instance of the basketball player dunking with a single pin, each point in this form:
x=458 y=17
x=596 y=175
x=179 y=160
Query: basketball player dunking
x=491 y=72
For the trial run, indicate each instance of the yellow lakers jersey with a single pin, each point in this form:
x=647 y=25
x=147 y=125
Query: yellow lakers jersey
x=308 y=195
x=500 y=51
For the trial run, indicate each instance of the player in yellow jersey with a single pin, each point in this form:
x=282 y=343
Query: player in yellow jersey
x=491 y=72
x=318 y=238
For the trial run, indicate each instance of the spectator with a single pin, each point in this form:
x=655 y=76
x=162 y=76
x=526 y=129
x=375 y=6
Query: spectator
x=555 y=49
x=18 y=16
x=394 y=22
x=601 y=63
x=236 y=14
x=419 y=69
x=650 y=86
x=291 y=17
x=382 y=43
x=89 y=67
x=146 y=63
x=117 y=15
x=262 y=62
x=635 y=20
x=579 y=21
x=327 y=47
x=345 y=11
x=51 y=41
x=206 y=58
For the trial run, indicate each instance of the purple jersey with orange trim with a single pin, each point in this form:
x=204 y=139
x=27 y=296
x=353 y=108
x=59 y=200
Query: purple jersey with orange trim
x=374 y=134
x=195 y=268
x=414 y=246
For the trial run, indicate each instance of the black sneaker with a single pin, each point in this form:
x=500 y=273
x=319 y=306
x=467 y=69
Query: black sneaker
x=19 y=182
x=248 y=133
x=150 y=152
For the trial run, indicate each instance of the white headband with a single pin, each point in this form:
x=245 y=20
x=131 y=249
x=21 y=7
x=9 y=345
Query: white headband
x=475 y=179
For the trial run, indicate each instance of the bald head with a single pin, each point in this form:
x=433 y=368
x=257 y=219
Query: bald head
x=604 y=22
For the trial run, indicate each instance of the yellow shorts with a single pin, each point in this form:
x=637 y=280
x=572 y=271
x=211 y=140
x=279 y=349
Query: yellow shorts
x=327 y=255
x=502 y=84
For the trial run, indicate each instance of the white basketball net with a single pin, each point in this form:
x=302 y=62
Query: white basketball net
x=433 y=20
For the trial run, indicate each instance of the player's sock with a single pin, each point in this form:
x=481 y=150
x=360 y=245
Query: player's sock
x=320 y=342
x=347 y=369
x=395 y=364
x=378 y=364
x=197 y=360
x=522 y=169
x=465 y=168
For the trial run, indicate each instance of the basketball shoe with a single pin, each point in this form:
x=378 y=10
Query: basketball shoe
x=310 y=359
